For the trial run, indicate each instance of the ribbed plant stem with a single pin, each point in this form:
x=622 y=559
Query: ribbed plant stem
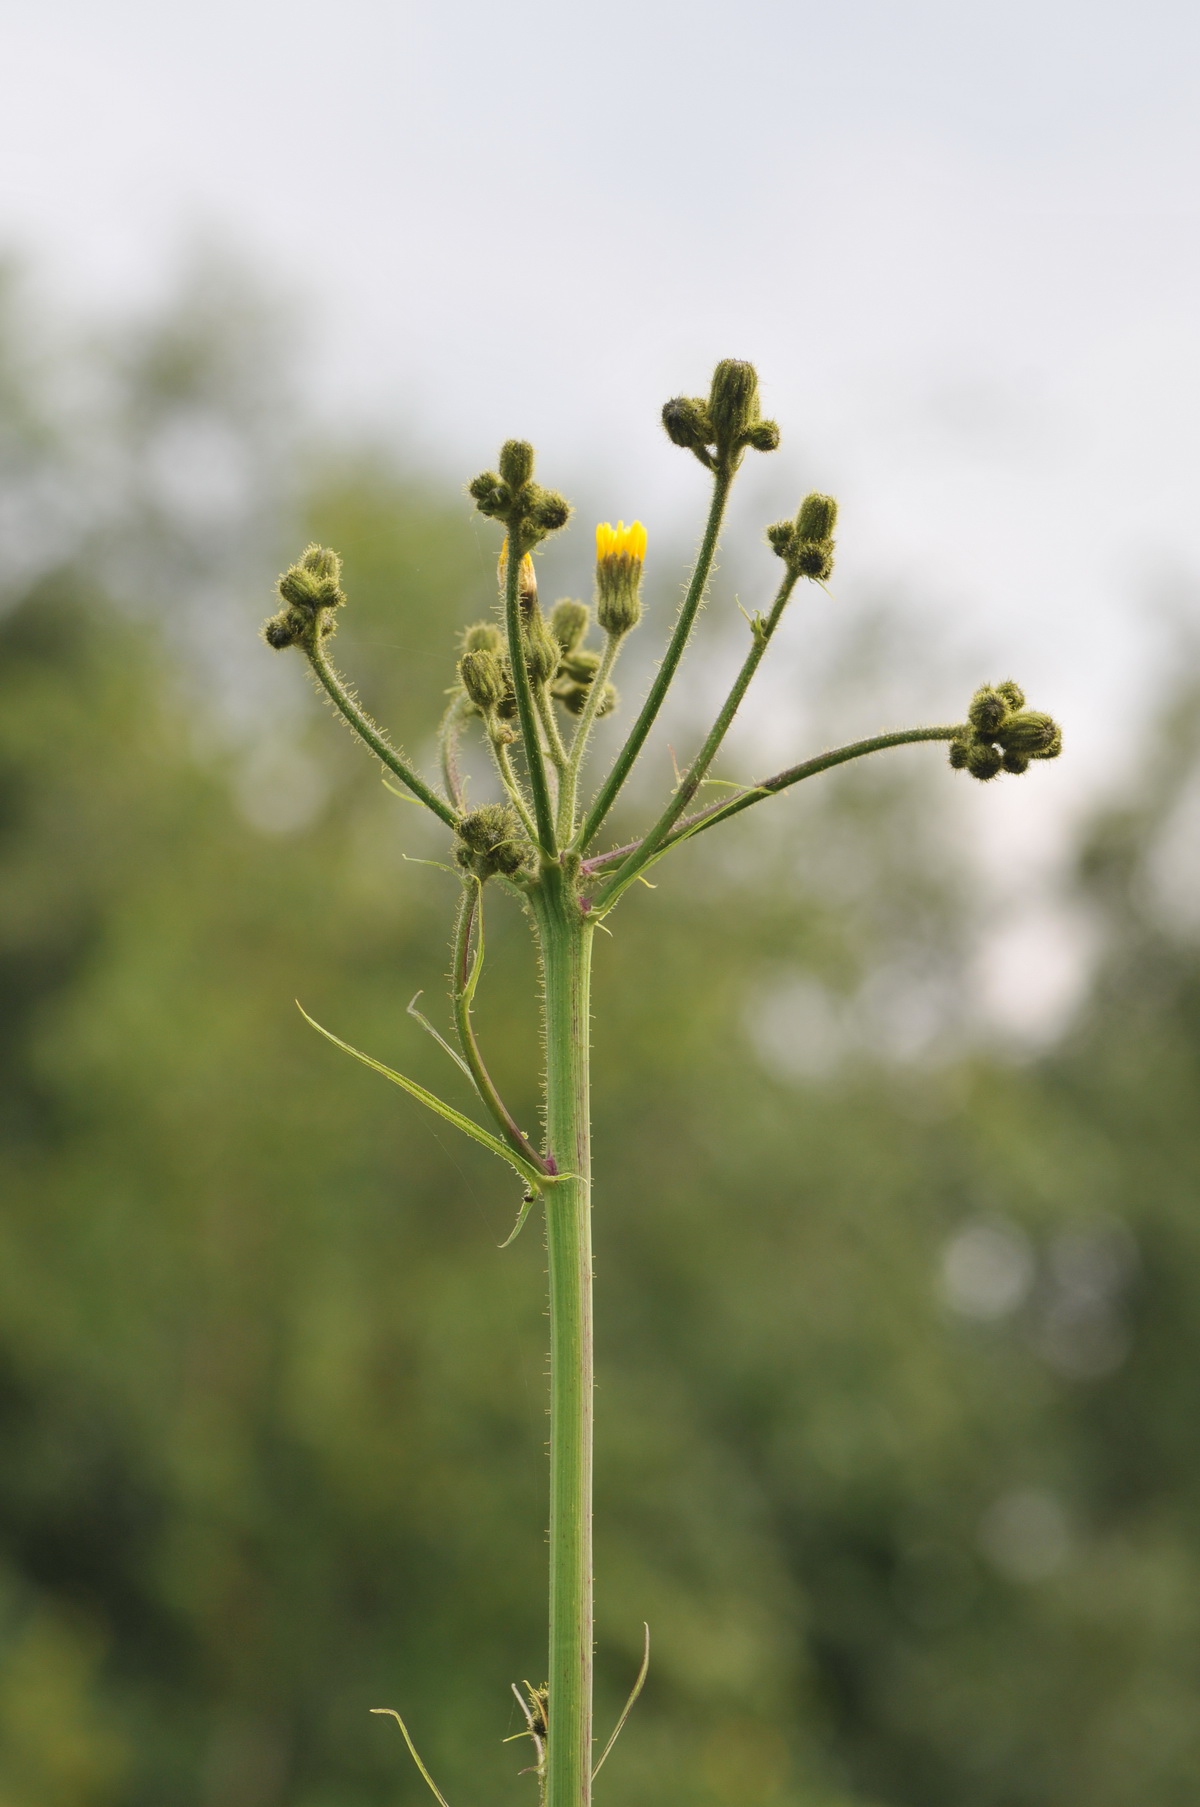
x=566 y=939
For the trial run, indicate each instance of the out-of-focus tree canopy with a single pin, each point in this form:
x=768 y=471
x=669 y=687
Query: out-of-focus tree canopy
x=899 y=1352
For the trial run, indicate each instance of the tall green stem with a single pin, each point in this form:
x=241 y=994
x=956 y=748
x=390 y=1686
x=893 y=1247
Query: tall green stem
x=566 y=941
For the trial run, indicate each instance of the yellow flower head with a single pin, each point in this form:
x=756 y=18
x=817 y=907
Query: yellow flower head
x=620 y=541
x=620 y=552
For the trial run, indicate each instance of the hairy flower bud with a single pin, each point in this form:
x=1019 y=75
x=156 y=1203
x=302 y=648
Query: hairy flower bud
x=989 y=709
x=569 y=622
x=542 y=651
x=733 y=400
x=311 y=591
x=481 y=636
x=983 y=761
x=483 y=678
x=490 y=840
x=688 y=423
x=817 y=517
x=620 y=553
x=516 y=462
x=1032 y=733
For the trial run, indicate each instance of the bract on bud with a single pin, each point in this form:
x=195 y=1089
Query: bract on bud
x=620 y=553
x=569 y=622
x=483 y=678
x=516 y=462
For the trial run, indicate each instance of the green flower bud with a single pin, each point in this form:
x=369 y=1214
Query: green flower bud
x=482 y=636
x=960 y=751
x=817 y=517
x=1031 y=733
x=542 y=651
x=688 y=423
x=733 y=401
x=1012 y=693
x=483 y=678
x=781 y=535
x=492 y=497
x=279 y=631
x=569 y=623
x=1016 y=763
x=813 y=558
x=550 y=511
x=582 y=665
x=490 y=840
x=323 y=562
x=989 y=709
x=516 y=462
x=764 y=436
x=983 y=761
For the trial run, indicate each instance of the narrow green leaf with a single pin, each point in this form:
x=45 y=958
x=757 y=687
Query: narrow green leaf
x=391 y=1711
x=484 y=1137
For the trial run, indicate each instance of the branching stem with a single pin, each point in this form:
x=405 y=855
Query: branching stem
x=351 y=711
x=623 y=764
x=526 y=710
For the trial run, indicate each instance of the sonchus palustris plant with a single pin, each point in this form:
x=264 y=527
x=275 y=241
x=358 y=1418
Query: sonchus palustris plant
x=533 y=685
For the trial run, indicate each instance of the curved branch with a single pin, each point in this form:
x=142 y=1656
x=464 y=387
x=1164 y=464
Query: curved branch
x=621 y=857
x=358 y=719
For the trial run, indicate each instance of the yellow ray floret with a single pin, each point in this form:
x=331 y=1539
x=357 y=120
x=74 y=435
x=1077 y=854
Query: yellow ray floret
x=620 y=541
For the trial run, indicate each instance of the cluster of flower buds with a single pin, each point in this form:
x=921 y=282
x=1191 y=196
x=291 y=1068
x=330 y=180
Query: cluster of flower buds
x=719 y=429
x=806 y=544
x=490 y=840
x=310 y=591
x=1001 y=735
x=527 y=510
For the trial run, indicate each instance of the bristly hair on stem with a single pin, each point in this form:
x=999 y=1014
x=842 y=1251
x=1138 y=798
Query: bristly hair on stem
x=523 y=684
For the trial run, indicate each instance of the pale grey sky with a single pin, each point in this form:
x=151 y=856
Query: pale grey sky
x=959 y=240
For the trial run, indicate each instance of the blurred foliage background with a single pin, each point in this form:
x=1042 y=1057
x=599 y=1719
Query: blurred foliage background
x=899 y=1338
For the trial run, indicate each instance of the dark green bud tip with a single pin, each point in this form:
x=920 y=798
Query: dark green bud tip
x=482 y=636
x=688 y=423
x=988 y=711
x=763 y=436
x=492 y=496
x=516 y=462
x=490 y=840
x=813 y=558
x=984 y=761
x=1016 y=763
x=483 y=678
x=279 y=631
x=569 y=623
x=550 y=512
x=733 y=401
